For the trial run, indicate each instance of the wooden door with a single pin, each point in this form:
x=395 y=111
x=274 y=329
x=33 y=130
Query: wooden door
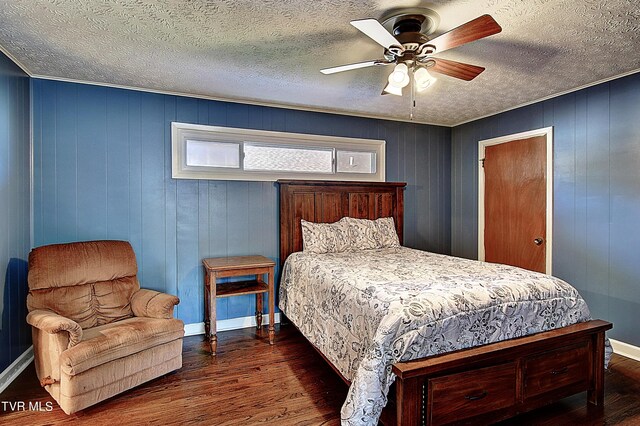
x=515 y=203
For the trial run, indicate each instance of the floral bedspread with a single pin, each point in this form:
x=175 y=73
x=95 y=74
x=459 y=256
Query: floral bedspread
x=368 y=309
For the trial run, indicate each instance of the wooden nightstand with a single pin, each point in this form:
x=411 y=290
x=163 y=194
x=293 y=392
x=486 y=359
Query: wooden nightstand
x=223 y=267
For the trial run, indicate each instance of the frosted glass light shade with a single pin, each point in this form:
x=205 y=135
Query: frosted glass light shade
x=399 y=77
x=393 y=90
x=423 y=79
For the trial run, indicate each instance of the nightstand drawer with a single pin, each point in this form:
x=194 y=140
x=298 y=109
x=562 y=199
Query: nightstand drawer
x=463 y=395
x=556 y=369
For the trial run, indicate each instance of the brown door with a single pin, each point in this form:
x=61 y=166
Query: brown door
x=515 y=203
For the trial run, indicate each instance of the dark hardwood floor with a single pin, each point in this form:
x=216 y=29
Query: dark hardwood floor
x=250 y=382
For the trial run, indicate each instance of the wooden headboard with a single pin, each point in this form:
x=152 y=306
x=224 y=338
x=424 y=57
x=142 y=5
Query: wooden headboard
x=330 y=201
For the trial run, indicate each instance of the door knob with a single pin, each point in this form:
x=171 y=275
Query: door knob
x=538 y=241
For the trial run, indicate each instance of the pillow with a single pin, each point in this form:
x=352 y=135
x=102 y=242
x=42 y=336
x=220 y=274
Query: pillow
x=325 y=237
x=362 y=233
x=368 y=234
x=387 y=236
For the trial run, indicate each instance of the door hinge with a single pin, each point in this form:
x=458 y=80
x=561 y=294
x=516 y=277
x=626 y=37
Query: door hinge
x=482 y=161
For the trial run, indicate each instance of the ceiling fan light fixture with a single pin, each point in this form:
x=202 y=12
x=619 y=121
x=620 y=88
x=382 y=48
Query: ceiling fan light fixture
x=399 y=77
x=423 y=79
x=393 y=90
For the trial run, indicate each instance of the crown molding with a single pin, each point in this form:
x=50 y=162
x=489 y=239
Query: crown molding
x=237 y=100
x=15 y=61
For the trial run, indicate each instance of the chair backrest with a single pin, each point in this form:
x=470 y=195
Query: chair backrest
x=89 y=282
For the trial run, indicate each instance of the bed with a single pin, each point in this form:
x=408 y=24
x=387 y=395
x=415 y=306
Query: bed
x=484 y=352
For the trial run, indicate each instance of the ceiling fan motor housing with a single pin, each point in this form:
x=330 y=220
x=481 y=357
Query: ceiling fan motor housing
x=417 y=19
x=409 y=24
x=411 y=27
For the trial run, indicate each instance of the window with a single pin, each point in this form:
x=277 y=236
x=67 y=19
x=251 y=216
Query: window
x=212 y=152
x=356 y=162
x=287 y=159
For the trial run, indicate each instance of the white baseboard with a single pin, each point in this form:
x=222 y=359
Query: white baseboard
x=12 y=371
x=625 y=349
x=229 y=324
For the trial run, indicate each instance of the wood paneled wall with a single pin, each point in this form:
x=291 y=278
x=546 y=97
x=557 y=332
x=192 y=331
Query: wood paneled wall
x=596 y=237
x=102 y=169
x=15 y=335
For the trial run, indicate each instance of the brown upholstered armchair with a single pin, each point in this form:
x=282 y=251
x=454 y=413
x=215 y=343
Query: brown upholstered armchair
x=95 y=332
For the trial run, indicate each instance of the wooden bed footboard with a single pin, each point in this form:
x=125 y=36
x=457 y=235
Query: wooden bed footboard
x=490 y=383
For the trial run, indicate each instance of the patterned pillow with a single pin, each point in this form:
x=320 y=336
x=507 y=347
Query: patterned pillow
x=362 y=233
x=368 y=234
x=325 y=237
x=386 y=236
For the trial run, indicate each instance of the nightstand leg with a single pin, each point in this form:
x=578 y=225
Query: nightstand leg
x=272 y=308
x=259 y=308
x=213 y=341
x=207 y=332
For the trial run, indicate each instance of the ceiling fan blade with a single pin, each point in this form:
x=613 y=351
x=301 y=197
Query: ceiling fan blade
x=456 y=69
x=348 y=67
x=481 y=27
x=376 y=31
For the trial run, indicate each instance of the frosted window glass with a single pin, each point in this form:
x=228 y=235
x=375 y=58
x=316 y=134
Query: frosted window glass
x=213 y=154
x=356 y=162
x=285 y=159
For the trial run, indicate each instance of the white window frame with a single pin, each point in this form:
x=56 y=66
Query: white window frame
x=181 y=132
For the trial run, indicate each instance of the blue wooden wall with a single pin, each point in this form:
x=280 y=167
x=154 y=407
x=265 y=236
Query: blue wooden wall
x=15 y=335
x=102 y=170
x=596 y=232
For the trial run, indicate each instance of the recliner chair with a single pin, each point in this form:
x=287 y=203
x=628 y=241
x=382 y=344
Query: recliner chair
x=95 y=332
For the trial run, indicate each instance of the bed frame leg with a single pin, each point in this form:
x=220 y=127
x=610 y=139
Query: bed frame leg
x=409 y=402
x=595 y=395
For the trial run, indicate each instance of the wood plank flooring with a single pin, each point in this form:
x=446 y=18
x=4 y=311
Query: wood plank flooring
x=252 y=383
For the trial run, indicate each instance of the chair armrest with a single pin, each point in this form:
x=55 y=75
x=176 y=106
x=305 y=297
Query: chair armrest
x=153 y=304
x=53 y=323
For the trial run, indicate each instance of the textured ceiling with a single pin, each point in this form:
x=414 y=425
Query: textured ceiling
x=271 y=51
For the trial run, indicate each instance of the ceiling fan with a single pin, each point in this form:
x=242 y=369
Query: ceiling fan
x=411 y=50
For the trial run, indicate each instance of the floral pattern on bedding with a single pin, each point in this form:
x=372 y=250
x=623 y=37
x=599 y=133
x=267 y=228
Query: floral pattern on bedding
x=368 y=309
x=348 y=234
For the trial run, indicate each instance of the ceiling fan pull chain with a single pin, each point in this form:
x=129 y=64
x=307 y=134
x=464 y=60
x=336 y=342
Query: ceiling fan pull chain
x=413 y=94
